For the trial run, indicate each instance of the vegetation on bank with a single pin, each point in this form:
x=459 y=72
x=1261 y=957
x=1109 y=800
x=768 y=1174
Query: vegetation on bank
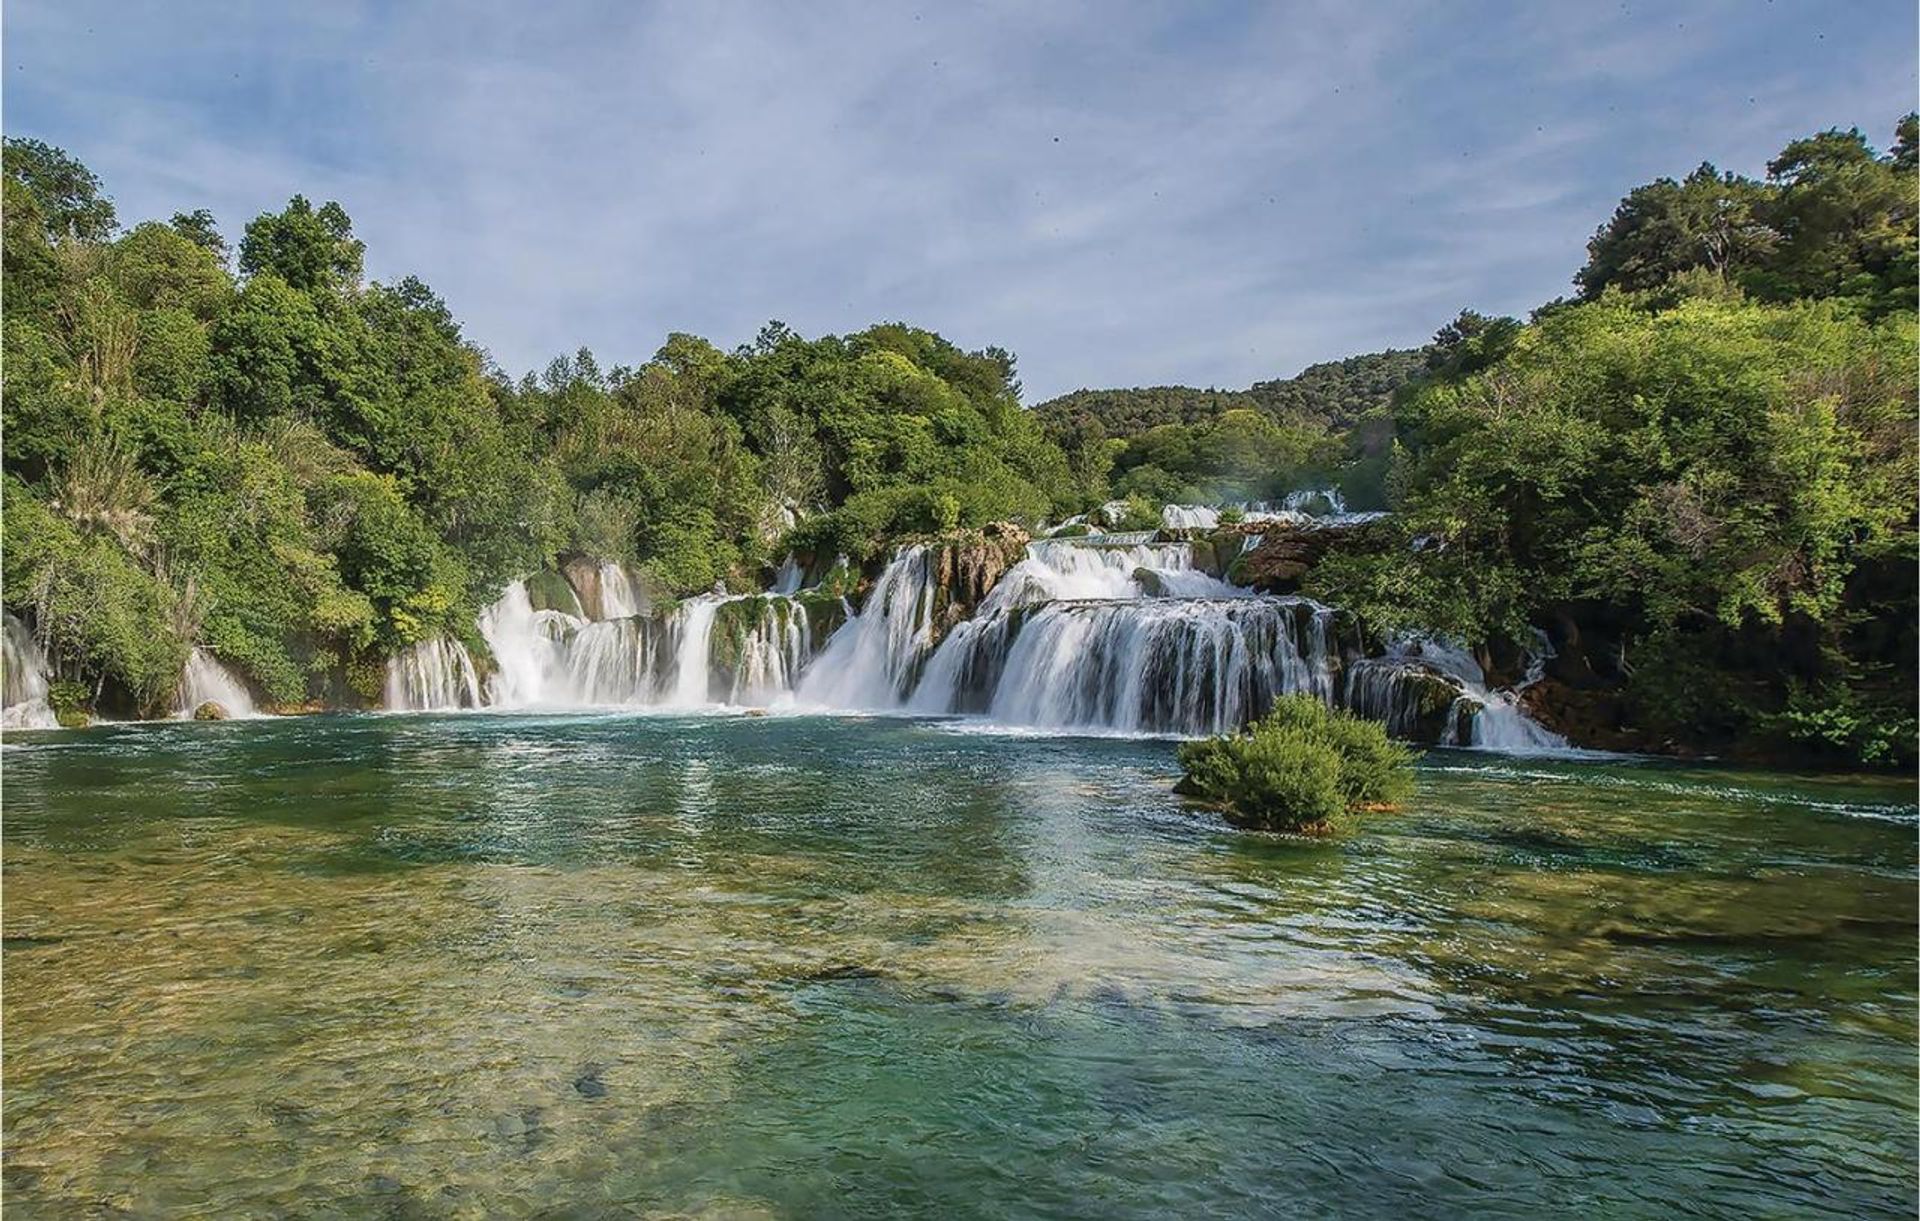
x=1697 y=476
x=1300 y=769
x=257 y=451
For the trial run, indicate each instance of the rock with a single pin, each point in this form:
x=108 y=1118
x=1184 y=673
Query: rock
x=548 y=590
x=1152 y=584
x=210 y=711
x=966 y=564
x=588 y=1083
x=1287 y=551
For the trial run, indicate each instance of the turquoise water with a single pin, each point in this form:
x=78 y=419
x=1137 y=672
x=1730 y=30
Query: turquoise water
x=483 y=965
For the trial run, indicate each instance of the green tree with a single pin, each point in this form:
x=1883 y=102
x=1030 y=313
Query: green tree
x=65 y=192
x=1710 y=221
x=312 y=250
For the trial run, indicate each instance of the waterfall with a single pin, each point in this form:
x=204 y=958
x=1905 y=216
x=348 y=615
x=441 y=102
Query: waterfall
x=24 y=675
x=1435 y=690
x=1149 y=665
x=747 y=649
x=1115 y=633
x=790 y=576
x=1189 y=517
x=1085 y=568
x=528 y=646
x=205 y=681
x=618 y=598
x=871 y=661
x=774 y=651
x=693 y=651
x=432 y=674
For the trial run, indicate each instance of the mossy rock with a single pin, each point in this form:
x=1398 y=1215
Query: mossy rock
x=549 y=590
x=211 y=710
x=824 y=614
x=72 y=718
x=1151 y=583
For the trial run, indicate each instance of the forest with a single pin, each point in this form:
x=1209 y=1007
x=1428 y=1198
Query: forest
x=1696 y=474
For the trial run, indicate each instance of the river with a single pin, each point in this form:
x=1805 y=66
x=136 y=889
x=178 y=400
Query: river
x=491 y=963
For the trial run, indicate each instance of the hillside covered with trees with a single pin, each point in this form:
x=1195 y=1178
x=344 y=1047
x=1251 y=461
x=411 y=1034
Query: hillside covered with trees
x=1697 y=477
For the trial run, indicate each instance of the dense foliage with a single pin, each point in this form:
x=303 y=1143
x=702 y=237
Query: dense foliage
x=1697 y=478
x=304 y=472
x=1178 y=444
x=1299 y=769
x=1704 y=491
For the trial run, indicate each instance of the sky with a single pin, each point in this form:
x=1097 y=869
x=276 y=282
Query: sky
x=1120 y=193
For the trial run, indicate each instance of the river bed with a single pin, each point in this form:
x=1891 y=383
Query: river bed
x=489 y=964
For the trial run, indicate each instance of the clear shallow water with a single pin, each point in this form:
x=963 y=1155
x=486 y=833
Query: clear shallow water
x=485 y=965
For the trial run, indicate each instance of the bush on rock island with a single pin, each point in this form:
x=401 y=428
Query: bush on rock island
x=1299 y=770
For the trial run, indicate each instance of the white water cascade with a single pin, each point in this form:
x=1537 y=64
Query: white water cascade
x=872 y=661
x=1409 y=683
x=711 y=649
x=24 y=676
x=1129 y=638
x=618 y=598
x=432 y=675
x=693 y=652
x=1121 y=633
x=204 y=680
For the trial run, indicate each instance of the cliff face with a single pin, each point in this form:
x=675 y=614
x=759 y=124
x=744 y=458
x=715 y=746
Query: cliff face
x=965 y=565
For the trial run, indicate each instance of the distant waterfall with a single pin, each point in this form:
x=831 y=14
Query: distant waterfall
x=747 y=649
x=24 y=674
x=872 y=661
x=432 y=675
x=205 y=681
x=1100 y=567
x=1105 y=633
x=1433 y=689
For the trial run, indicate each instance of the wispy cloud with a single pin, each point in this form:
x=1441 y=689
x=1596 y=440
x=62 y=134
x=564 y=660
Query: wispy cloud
x=1121 y=193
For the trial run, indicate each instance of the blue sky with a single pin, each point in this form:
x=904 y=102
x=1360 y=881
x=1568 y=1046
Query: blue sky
x=1121 y=193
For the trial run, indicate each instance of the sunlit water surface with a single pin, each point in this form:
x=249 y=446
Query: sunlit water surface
x=492 y=965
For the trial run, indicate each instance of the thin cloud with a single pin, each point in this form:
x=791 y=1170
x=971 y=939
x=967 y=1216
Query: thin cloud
x=1121 y=193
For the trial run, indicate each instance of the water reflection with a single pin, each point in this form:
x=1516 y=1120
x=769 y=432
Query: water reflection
x=474 y=965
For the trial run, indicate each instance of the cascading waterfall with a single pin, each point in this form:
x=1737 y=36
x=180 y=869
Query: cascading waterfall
x=1128 y=638
x=746 y=649
x=773 y=653
x=432 y=675
x=1423 y=680
x=872 y=661
x=205 y=681
x=693 y=652
x=24 y=679
x=1079 y=569
x=1148 y=665
x=618 y=598
x=1105 y=633
x=790 y=576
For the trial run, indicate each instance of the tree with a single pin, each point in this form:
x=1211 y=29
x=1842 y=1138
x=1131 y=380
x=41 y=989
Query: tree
x=1846 y=221
x=66 y=192
x=314 y=251
x=1711 y=220
x=199 y=228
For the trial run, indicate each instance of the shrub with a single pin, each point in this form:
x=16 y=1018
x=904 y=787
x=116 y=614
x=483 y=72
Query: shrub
x=1298 y=770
